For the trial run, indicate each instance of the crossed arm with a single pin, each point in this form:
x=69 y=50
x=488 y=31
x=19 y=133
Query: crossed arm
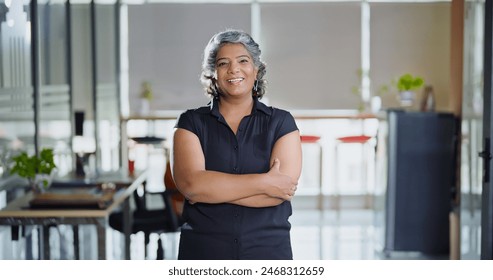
x=253 y=190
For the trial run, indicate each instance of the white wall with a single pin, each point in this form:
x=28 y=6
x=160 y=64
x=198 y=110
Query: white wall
x=312 y=50
x=166 y=43
x=313 y=54
x=414 y=38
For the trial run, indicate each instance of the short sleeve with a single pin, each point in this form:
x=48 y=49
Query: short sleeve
x=185 y=121
x=287 y=124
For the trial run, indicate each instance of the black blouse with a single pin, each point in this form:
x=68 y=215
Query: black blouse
x=228 y=231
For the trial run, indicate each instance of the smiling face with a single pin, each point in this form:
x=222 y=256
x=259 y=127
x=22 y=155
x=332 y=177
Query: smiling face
x=235 y=71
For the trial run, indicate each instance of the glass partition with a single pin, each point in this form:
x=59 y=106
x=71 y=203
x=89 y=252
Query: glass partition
x=16 y=91
x=472 y=131
x=95 y=81
x=55 y=127
x=107 y=99
x=82 y=82
x=17 y=117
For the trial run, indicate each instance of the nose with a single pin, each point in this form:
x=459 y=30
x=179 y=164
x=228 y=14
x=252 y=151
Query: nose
x=234 y=67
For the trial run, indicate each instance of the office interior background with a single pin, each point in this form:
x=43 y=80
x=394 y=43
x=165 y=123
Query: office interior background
x=324 y=59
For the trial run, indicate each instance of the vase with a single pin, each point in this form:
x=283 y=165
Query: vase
x=145 y=107
x=40 y=183
x=375 y=104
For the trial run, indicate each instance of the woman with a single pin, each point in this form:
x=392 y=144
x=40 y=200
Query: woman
x=236 y=160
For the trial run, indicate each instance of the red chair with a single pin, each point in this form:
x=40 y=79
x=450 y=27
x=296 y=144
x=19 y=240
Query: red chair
x=309 y=138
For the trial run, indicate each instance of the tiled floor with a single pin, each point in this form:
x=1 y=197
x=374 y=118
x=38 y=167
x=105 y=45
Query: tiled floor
x=314 y=236
x=329 y=235
x=351 y=234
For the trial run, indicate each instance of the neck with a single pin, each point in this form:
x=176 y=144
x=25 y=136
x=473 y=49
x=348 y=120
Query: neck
x=239 y=107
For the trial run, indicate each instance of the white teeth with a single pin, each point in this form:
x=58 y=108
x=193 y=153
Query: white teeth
x=235 y=80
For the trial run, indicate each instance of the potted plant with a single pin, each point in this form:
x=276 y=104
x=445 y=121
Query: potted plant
x=145 y=98
x=407 y=85
x=38 y=170
x=371 y=103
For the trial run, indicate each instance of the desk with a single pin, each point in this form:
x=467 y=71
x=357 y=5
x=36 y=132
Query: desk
x=18 y=213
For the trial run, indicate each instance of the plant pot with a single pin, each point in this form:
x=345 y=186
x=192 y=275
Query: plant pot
x=406 y=98
x=375 y=104
x=145 y=107
x=41 y=183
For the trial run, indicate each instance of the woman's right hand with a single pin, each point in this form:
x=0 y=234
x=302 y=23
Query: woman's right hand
x=281 y=185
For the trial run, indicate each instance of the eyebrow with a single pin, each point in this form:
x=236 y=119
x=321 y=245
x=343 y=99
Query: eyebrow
x=240 y=56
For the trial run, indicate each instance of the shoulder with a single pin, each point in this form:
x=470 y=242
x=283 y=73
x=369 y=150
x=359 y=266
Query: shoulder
x=281 y=114
x=283 y=120
x=190 y=117
x=277 y=117
x=195 y=113
x=273 y=111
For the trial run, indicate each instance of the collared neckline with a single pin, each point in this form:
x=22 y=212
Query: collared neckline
x=257 y=106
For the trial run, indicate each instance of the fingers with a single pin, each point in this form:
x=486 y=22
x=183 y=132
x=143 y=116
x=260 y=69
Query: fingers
x=289 y=197
x=291 y=193
x=285 y=186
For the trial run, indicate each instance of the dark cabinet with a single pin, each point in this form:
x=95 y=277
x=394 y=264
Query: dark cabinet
x=421 y=159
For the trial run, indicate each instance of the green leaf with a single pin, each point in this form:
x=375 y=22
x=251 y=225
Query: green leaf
x=408 y=82
x=28 y=166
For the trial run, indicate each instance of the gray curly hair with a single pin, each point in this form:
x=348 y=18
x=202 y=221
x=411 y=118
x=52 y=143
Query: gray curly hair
x=210 y=54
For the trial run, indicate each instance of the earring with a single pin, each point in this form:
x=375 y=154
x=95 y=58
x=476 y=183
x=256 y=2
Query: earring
x=216 y=90
x=255 y=85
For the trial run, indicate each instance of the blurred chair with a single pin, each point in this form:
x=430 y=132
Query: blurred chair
x=363 y=141
x=314 y=140
x=161 y=220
